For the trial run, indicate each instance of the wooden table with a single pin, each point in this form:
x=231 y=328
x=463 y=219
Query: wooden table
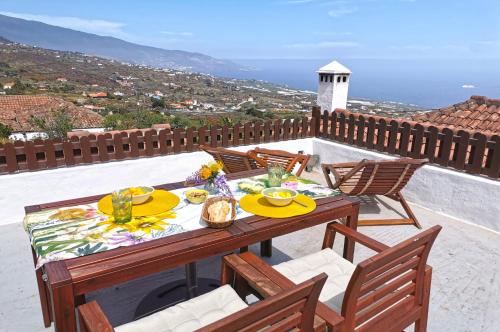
x=63 y=284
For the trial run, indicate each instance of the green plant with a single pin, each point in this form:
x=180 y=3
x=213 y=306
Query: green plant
x=55 y=126
x=5 y=131
x=157 y=102
x=19 y=88
x=132 y=120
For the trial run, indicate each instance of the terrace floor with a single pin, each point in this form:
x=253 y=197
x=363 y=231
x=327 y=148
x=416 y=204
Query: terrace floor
x=465 y=290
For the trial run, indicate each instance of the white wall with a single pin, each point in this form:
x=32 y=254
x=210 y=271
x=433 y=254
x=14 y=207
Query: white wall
x=467 y=197
x=40 y=134
x=470 y=198
x=30 y=188
x=332 y=95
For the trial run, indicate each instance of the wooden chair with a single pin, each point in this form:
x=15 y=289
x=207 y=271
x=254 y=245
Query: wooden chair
x=234 y=161
x=369 y=177
x=384 y=293
x=284 y=158
x=288 y=161
x=223 y=310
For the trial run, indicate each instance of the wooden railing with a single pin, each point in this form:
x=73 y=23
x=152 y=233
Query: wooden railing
x=462 y=150
x=53 y=153
x=474 y=153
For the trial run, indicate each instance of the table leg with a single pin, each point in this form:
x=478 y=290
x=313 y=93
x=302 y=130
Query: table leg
x=266 y=248
x=351 y=222
x=43 y=294
x=191 y=280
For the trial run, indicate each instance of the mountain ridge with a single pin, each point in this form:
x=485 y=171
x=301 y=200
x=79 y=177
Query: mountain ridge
x=48 y=36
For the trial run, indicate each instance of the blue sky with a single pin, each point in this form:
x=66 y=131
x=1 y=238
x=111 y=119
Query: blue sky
x=291 y=29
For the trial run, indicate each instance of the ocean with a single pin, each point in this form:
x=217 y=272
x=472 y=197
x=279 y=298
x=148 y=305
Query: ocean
x=425 y=83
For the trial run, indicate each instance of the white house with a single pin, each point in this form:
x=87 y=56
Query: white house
x=333 y=84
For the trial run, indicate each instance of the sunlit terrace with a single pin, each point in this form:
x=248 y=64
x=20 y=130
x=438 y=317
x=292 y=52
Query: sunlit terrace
x=465 y=259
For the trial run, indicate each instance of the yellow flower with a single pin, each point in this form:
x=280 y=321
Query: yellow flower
x=215 y=166
x=205 y=173
x=138 y=223
x=147 y=224
x=94 y=237
x=110 y=222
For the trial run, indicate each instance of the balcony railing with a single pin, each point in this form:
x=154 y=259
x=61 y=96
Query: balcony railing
x=53 y=153
x=472 y=152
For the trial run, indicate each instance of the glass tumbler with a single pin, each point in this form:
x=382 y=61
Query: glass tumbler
x=275 y=174
x=122 y=206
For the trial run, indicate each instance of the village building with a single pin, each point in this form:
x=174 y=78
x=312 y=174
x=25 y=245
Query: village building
x=19 y=110
x=97 y=94
x=8 y=85
x=478 y=113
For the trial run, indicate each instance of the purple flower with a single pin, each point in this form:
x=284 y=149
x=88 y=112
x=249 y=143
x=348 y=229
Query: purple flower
x=124 y=239
x=221 y=183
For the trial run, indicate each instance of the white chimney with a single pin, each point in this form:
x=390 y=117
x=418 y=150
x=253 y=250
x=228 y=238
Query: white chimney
x=333 y=85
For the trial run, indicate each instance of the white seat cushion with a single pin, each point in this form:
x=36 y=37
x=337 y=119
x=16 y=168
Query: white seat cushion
x=190 y=315
x=338 y=269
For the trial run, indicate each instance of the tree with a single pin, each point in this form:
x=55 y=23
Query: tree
x=132 y=120
x=5 y=131
x=158 y=102
x=18 y=89
x=56 y=126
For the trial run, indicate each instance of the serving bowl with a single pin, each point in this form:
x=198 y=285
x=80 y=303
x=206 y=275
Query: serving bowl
x=196 y=196
x=139 y=194
x=279 y=196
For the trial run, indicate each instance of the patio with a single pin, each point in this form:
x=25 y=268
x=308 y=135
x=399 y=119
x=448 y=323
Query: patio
x=464 y=296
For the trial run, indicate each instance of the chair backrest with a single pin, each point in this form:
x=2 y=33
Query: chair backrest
x=293 y=309
x=371 y=177
x=286 y=159
x=234 y=161
x=389 y=287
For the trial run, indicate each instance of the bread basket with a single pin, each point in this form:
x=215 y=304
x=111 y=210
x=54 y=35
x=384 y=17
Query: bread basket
x=210 y=201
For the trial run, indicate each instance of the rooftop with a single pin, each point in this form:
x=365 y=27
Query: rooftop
x=17 y=111
x=478 y=113
x=334 y=67
x=462 y=299
x=465 y=294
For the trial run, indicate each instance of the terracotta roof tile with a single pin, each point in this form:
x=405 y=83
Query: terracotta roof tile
x=476 y=114
x=17 y=110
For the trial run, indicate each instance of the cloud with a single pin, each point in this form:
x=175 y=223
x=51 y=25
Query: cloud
x=100 y=27
x=342 y=11
x=294 y=2
x=415 y=48
x=325 y=44
x=180 y=34
x=333 y=33
x=494 y=43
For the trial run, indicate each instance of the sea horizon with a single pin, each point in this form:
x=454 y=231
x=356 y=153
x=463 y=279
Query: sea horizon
x=426 y=83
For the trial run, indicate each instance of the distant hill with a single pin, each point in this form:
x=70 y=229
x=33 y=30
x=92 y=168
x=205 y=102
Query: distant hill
x=52 y=37
x=4 y=40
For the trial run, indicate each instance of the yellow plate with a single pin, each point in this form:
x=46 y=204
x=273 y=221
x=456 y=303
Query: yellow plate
x=159 y=202
x=258 y=205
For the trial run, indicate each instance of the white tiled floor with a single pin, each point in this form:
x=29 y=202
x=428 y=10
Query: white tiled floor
x=465 y=290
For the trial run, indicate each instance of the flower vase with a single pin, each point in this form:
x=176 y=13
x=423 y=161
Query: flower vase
x=211 y=188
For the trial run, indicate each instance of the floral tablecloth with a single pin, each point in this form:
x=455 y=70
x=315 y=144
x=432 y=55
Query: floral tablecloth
x=81 y=230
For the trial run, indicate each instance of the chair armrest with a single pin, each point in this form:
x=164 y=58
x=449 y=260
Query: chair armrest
x=341 y=177
x=343 y=165
x=267 y=282
x=336 y=227
x=93 y=319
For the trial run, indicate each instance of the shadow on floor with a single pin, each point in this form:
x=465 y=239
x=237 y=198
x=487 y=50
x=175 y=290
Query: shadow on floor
x=120 y=302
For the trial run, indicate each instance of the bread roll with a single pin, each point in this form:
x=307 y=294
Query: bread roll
x=218 y=211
